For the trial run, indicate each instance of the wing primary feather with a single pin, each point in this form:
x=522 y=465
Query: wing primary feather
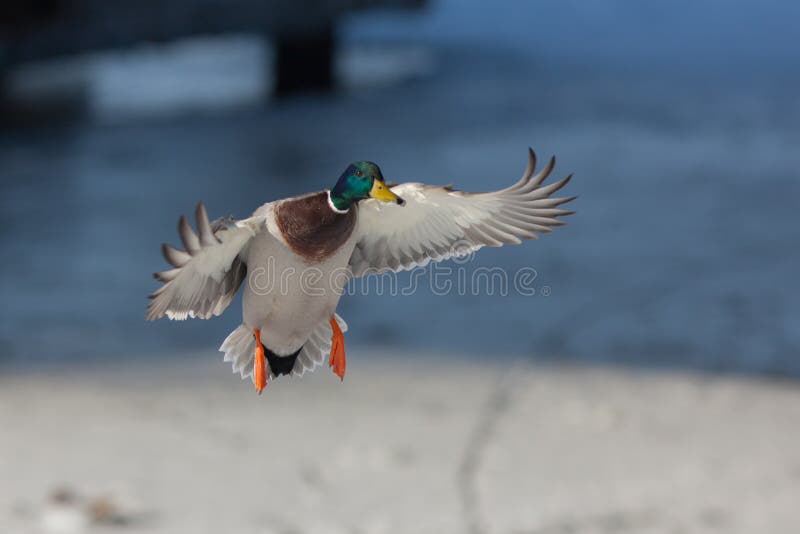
x=505 y=225
x=530 y=166
x=190 y=241
x=166 y=276
x=478 y=235
x=545 y=172
x=534 y=216
x=555 y=186
x=564 y=200
x=553 y=212
x=518 y=226
x=549 y=202
x=207 y=238
x=496 y=230
x=177 y=258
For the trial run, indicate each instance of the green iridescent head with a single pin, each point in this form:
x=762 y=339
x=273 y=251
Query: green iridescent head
x=361 y=180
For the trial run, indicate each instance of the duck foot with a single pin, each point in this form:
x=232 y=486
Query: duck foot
x=337 y=361
x=259 y=365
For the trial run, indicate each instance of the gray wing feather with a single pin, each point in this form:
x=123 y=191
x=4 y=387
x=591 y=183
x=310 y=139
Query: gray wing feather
x=206 y=275
x=437 y=223
x=207 y=238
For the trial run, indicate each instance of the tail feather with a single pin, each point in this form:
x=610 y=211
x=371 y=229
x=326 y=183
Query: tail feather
x=318 y=347
x=239 y=347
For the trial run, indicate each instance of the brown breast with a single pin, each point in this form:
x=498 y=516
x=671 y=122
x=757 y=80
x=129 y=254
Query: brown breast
x=311 y=228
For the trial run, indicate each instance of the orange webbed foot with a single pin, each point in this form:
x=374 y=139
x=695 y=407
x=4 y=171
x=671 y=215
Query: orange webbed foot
x=337 y=360
x=259 y=364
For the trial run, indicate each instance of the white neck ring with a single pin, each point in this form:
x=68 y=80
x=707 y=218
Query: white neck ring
x=333 y=206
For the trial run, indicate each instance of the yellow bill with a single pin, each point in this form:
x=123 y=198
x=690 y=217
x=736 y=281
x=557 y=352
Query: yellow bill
x=381 y=192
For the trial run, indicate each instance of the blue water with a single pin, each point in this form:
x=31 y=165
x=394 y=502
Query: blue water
x=680 y=120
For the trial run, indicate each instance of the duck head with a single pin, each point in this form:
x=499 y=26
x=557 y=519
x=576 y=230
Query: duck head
x=361 y=180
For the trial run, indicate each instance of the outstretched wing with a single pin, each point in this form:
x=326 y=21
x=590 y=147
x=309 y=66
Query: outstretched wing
x=207 y=272
x=437 y=223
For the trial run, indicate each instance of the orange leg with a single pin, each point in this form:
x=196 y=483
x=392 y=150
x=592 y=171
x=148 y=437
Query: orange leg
x=337 y=361
x=259 y=365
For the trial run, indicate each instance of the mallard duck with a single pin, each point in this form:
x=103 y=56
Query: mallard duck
x=297 y=253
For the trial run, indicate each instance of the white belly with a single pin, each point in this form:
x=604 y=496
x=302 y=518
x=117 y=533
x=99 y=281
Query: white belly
x=286 y=297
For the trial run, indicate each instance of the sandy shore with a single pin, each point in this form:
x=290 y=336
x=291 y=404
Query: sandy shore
x=401 y=446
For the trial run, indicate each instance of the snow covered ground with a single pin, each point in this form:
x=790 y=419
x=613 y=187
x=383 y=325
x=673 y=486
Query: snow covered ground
x=404 y=445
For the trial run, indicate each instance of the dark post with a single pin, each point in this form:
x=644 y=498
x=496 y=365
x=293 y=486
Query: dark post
x=305 y=61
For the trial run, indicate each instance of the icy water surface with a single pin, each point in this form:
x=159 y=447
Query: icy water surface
x=684 y=250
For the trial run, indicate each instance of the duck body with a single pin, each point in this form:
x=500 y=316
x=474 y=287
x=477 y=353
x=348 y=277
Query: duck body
x=297 y=269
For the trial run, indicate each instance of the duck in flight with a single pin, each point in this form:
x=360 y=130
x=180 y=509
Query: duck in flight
x=295 y=255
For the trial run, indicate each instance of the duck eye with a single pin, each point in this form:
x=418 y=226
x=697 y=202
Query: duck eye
x=359 y=173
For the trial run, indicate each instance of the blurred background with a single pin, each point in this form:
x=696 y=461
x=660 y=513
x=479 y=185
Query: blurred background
x=679 y=119
x=680 y=122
